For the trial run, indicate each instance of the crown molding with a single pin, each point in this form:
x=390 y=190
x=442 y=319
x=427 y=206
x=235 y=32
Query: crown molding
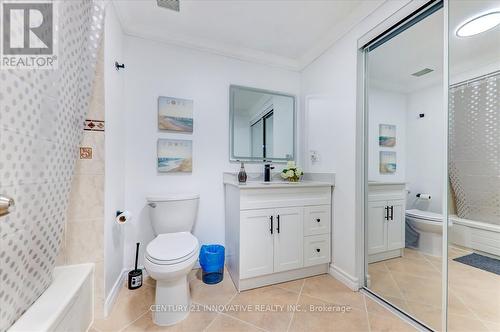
x=222 y=49
x=257 y=56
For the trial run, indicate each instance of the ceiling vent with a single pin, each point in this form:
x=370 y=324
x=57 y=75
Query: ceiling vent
x=422 y=72
x=169 y=4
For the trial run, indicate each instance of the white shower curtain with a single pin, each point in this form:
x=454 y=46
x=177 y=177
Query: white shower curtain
x=474 y=149
x=42 y=112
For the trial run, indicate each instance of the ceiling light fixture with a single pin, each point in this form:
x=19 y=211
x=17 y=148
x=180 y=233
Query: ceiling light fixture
x=479 y=24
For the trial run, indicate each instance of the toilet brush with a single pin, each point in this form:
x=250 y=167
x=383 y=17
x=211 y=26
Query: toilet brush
x=135 y=276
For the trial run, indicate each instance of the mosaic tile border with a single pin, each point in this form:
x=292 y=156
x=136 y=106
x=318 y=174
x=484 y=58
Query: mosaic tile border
x=93 y=125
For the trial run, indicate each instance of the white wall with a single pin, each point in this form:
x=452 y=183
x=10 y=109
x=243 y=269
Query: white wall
x=425 y=146
x=386 y=107
x=154 y=69
x=334 y=76
x=114 y=151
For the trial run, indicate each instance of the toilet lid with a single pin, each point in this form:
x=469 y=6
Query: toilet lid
x=172 y=247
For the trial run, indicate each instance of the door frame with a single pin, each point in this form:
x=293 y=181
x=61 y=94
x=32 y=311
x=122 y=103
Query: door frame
x=361 y=190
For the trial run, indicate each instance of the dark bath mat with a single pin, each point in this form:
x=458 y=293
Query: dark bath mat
x=481 y=262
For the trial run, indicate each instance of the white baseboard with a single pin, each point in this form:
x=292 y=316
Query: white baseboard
x=113 y=295
x=344 y=277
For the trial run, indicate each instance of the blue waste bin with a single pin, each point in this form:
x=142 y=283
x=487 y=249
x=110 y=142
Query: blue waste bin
x=212 y=263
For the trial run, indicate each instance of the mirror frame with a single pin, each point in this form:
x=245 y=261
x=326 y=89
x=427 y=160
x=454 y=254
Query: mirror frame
x=232 y=157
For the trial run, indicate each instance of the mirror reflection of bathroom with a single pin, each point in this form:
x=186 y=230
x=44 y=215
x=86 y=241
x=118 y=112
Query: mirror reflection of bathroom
x=474 y=170
x=406 y=149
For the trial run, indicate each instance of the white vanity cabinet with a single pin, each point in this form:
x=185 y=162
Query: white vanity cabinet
x=386 y=220
x=277 y=232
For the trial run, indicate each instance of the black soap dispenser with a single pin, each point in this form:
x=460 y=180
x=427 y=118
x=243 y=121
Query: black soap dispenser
x=242 y=175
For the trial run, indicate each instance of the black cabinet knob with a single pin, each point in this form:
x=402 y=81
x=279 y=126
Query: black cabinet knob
x=318 y=250
x=318 y=220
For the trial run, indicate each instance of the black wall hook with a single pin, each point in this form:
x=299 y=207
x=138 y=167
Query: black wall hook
x=119 y=66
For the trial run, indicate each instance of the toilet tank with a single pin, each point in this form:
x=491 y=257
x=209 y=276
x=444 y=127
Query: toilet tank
x=173 y=212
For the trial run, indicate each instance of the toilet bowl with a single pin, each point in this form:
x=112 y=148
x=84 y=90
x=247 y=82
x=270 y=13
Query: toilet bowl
x=430 y=227
x=171 y=255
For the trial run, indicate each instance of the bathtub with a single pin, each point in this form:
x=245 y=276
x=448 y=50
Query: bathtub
x=67 y=305
x=477 y=235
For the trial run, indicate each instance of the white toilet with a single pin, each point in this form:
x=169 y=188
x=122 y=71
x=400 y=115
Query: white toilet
x=430 y=227
x=172 y=254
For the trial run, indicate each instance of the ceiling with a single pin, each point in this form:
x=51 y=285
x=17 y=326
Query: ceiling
x=289 y=34
x=421 y=46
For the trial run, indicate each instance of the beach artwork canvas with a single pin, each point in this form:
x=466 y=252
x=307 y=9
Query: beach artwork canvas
x=387 y=135
x=175 y=155
x=175 y=114
x=387 y=162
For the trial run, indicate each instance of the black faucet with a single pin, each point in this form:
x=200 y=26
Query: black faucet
x=267 y=172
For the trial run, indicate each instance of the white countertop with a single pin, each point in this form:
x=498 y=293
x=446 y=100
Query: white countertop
x=255 y=181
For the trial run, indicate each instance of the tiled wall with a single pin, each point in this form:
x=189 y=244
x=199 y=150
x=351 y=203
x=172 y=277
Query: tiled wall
x=84 y=229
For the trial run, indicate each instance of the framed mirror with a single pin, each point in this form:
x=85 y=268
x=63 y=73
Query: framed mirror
x=262 y=125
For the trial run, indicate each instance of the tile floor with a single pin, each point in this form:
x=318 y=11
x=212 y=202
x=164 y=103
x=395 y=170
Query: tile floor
x=413 y=283
x=131 y=311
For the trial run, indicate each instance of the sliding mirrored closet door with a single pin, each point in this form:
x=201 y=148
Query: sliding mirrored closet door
x=474 y=166
x=405 y=146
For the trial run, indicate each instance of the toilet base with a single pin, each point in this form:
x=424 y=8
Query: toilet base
x=172 y=301
x=431 y=244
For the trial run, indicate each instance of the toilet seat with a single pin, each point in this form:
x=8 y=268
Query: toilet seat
x=425 y=215
x=172 y=248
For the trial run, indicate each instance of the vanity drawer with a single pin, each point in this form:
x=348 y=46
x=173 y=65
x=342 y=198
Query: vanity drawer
x=316 y=249
x=317 y=220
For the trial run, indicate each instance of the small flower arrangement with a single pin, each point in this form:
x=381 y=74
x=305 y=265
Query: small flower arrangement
x=292 y=173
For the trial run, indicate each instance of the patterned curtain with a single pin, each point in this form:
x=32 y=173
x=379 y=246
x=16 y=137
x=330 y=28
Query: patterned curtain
x=42 y=112
x=474 y=149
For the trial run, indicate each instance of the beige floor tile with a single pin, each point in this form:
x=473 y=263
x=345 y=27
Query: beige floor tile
x=196 y=321
x=465 y=324
x=378 y=266
x=388 y=323
x=456 y=306
x=220 y=293
x=275 y=319
x=328 y=289
x=412 y=254
x=293 y=286
x=429 y=315
x=492 y=327
x=382 y=283
x=373 y=307
x=419 y=289
x=224 y=323
x=352 y=320
x=129 y=306
x=465 y=276
x=456 y=251
x=411 y=266
x=485 y=303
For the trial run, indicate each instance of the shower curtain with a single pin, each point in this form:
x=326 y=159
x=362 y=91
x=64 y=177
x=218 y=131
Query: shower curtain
x=474 y=148
x=42 y=113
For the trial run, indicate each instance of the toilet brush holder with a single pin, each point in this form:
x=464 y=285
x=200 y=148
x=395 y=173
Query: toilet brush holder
x=135 y=276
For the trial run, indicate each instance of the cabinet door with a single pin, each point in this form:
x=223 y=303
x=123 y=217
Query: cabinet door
x=396 y=225
x=377 y=227
x=256 y=243
x=288 y=239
